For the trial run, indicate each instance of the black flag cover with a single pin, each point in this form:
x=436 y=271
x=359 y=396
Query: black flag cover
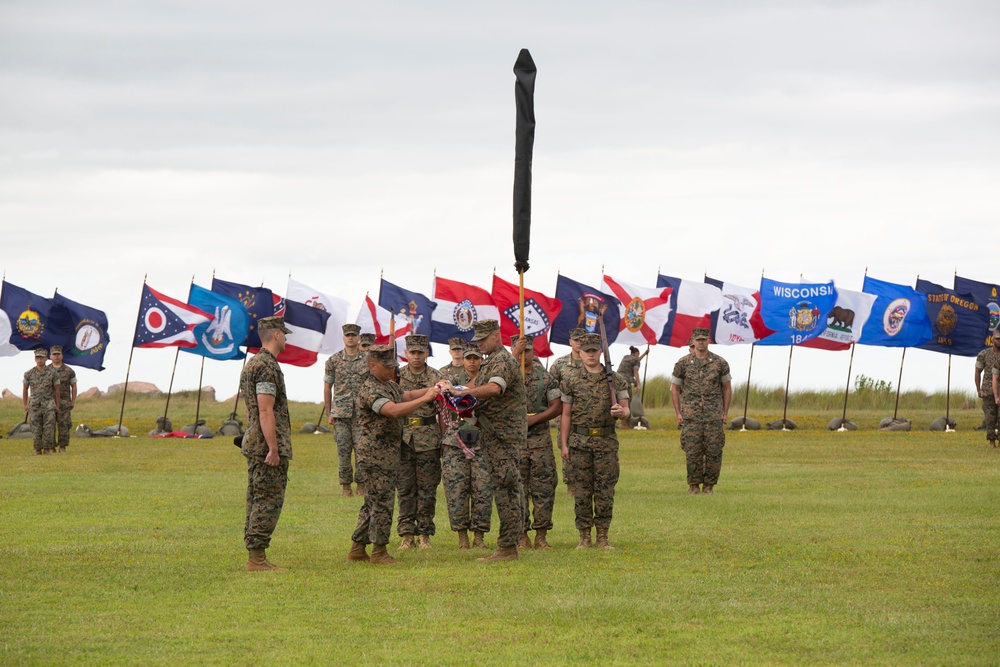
x=524 y=97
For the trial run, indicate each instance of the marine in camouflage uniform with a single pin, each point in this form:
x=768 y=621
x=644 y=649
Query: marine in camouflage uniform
x=561 y=365
x=381 y=404
x=701 y=388
x=366 y=340
x=538 y=461
x=986 y=362
x=589 y=441
x=503 y=427
x=454 y=372
x=41 y=401
x=420 y=454
x=343 y=374
x=67 y=397
x=466 y=481
x=267 y=447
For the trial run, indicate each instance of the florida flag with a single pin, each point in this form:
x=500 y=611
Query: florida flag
x=691 y=307
x=738 y=320
x=540 y=312
x=166 y=322
x=333 y=337
x=643 y=312
x=373 y=318
x=459 y=306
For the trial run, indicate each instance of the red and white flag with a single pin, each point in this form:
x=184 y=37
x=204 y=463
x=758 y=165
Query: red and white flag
x=540 y=312
x=845 y=322
x=373 y=318
x=644 y=311
x=333 y=337
x=693 y=303
x=459 y=306
x=737 y=321
x=307 y=325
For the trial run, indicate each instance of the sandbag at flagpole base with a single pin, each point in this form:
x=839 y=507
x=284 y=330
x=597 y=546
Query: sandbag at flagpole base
x=944 y=424
x=743 y=424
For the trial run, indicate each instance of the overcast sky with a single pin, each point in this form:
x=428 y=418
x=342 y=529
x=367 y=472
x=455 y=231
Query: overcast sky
x=336 y=140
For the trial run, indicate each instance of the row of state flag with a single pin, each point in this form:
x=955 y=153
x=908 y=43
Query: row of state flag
x=220 y=322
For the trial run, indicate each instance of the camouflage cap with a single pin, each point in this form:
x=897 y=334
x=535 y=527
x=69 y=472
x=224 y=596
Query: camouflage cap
x=417 y=342
x=472 y=351
x=265 y=323
x=574 y=334
x=590 y=342
x=41 y=352
x=484 y=328
x=55 y=349
x=366 y=339
x=383 y=354
x=351 y=329
x=700 y=333
x=456 y=343
x=516 y=337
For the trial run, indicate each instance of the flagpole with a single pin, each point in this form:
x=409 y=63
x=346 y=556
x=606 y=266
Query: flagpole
x=645 y=370
x=947 y=402
x=788 y=379
x=847 y=389
x=128 y=368
x=170 y=389
x=197 y=405
x=520 y=275
x=746 y=397
x=236 y=403
x=899 y=385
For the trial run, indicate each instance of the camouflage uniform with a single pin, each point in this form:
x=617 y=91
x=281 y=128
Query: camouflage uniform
x=378 y=453
x=503 y=425
x=42 y=386
x=988 y=361
x=64 y=418
x=346 y=374
x=538 y=461
x=702 y=437
x=559 y=368
x=265 y=484
x=420 y=459
x=593 y=468
x=626 y=368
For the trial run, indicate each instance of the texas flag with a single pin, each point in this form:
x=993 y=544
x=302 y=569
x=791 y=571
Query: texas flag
x=333 y=337
x=166 y=322
x=691 y=307
x=738 y=320
x=375 y=319
x=643 y=312
x=540 y=312
x=459 y=306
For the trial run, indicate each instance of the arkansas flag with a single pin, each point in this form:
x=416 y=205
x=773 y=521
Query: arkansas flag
x=166 y=322
x=691 y=307
x=333 y=337
x=845 y=321
x=540 y=312
x=643 y=312
x=737 y=321
x=373 y=318
x=459 y=306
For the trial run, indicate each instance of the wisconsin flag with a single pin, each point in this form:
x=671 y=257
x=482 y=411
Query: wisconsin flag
x=459 y=306
x=845 y=321
x=166 y=322
x=797 y=312
x=738 y=320
x=582 y=306
x=90 y=334
x=899 y=316
x=333 y=337
x=957 y=321
x=643 y=312
x=375 y=319
x=221 y=338
x=540 y=312
x=691 y=306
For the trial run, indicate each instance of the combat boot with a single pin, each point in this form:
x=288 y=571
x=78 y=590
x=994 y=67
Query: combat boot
x=359 y=489
x=424 y=541
x=463 y=539
x=38 y=452
x=46 y=451
x=407 y=542
x=602 y=538
x=477 y=540
x=693 y=489
x=540 y=542
x=62 y=449
x=257 y=562
x=345 y=491
x=502 y=553
x=272 y=566
x=584 y=539
x=380 y=556
x=707 y=488
x=358 y=552
x=524 y=542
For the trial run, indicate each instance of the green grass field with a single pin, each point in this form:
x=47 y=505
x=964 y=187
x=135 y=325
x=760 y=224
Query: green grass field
x=818 y=548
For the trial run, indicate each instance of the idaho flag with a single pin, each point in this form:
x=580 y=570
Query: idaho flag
x=985 y=295
x=958 y=322
x=35 y=321
x=258 y=301
x=797 y=312
x=90 y=334
x=221 y=338
x=582 y=305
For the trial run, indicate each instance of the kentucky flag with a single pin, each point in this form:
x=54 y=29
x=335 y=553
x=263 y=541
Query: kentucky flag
x=166 y=322
x=415 y=308
x=985 y=295
x=797 y=312
x=90 y=334
x=221 y=338
x=957 y=321
x=582 y=306
x=35 y=321
x=258 y=301
x=898 y=316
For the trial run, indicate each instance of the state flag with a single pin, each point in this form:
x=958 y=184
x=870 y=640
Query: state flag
x=333 y=337
x=375 y=319
x=459 y=306
x=957 y=321
x=845 y=321
x=90 y=334
x=413 y=308
x=166 y=322
x=691 y=306
x=307 y=325
x=582 y=307
x=221 y=338
x=797 y=312
x=6 y=349
x=35 y=320
x=643 y=312
x=986 y=295
x=540 y=312
x=899 y=316
x=737 y=321
x=258 y=301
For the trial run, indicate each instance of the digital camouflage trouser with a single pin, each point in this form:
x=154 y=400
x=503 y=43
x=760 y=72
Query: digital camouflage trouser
x=265 y=497
x=990 y=418
x=343 y=432
x=375 y=516
x=505 y=480
x=43 y=427
x=467 y=490
x=539 y=477
x=417 y=483
x=64 y=426
x=702 y=443
x=591 y=475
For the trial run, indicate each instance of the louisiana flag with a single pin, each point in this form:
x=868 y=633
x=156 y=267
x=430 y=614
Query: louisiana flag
x=540 y=312
x=957 y=321
x=221 y=338
x=35 y=320
x=258 y=301
x=90 y=334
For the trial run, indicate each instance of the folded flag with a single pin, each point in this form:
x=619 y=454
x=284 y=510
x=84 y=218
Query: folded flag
x=333 y=338
x=582 y=306
x=459 y=306
x=166 y=322
x=643 y=312
x=90 y=334
x=539 y=313
x=221 y=338
x=957 y=321
x=797 y=312
x=898 y=317
x=691 y=306
x=462 y=405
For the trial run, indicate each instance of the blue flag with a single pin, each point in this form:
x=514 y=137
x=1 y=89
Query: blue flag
x=258 y=301
x=221 y=338
x=898 y=318
x=958 y=322
x=985 y=295
x=797 y=312
x=35 y=321
x=90 y=334
x=415 y=307
x=582 y=305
